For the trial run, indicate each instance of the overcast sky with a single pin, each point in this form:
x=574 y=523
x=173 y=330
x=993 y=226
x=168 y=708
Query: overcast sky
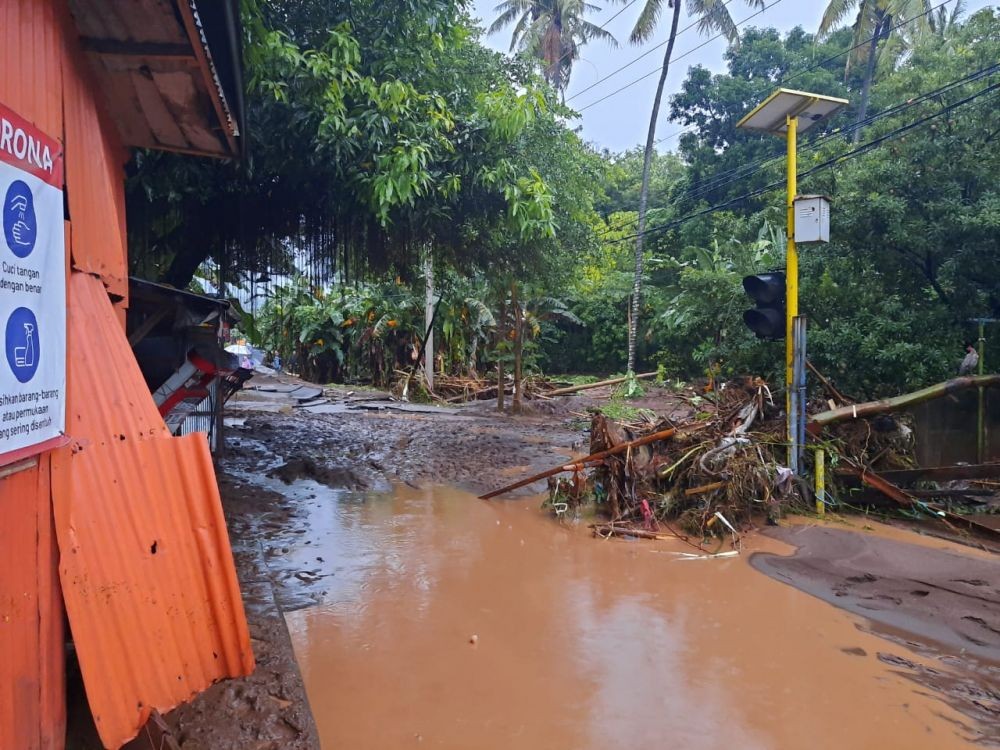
x=622 y=120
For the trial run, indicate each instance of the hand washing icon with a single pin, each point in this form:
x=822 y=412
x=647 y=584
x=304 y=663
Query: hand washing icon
x=21 y=343
x=20 y=225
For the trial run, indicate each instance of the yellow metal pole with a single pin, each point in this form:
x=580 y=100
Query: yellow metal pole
x=820 y=481
x=791 y=271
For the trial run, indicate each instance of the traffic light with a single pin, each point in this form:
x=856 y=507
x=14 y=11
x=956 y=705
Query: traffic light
x=767 y=319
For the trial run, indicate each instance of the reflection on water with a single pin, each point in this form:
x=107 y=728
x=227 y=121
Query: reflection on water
x=578 y=643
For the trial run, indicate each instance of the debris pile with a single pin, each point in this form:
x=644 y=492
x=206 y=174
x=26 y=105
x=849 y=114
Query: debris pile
x=709 y=476
x=726 y=468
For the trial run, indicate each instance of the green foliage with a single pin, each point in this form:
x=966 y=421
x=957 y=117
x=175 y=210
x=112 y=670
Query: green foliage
x=382 y=130
x=377 y=129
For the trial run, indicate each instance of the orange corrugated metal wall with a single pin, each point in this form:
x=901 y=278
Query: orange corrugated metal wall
x=95 y=176
x=45 y=77
x=147 y=571
x=32 y=669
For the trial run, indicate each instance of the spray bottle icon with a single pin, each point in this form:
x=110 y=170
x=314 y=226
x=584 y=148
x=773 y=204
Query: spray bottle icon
x=24 y=356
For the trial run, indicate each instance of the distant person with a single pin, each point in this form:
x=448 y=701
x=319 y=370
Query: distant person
x=246 y=363
x=277 y=361
x=971 y=361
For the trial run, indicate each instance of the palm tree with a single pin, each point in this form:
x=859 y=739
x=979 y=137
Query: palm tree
x=712 y=15
x=873 y=25
x=551 y=30
x=944 y=20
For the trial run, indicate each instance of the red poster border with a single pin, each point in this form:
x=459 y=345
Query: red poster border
x=55 y=178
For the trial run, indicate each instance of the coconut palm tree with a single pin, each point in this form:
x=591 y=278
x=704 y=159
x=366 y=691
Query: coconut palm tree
x=551 y=30
x=712 y=16
x=944 y=20
x=873 y=26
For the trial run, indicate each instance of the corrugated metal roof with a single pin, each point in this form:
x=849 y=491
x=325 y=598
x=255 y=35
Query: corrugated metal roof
x=146 y=567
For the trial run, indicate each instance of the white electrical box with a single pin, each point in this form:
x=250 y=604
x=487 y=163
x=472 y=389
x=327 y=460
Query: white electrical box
x=812 y=218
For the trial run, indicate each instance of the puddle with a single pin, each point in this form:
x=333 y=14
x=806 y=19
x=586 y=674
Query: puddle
x=449 y=622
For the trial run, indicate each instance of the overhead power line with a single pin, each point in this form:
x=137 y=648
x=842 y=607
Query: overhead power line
x=722 y=179
x=728 y=177
x=679 y=57
x=825 y=61
x=604 y=27
x=634 y=60
x=853 y=153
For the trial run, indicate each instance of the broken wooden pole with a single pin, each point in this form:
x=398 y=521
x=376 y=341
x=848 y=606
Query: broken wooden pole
x=578 y=465
x=935 y=473
x=905 y=499
x=587 y=386
x=871 y=408
x=608 y=529
x=884 y=486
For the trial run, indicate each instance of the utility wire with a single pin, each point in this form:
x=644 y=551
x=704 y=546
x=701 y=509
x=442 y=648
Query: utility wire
x=727 y=177
x=679 y=57
x=823 y=62
x=602 y=27
x=863 y=148
x=632 y=62
x=722 y=179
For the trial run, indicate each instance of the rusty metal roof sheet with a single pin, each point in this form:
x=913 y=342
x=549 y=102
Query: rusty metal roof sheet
x=147 y=571
x=156 y=65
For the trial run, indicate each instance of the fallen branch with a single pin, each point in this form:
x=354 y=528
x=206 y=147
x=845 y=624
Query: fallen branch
x=704 y=488
x=827 y=384
x=588 y=386
x=578 y=465
x=608 y=529
x=896 y=403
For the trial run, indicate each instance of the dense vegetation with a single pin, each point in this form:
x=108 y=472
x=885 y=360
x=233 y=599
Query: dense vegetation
x=384 y=138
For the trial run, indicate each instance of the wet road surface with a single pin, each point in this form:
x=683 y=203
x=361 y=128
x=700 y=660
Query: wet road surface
x=438 y=620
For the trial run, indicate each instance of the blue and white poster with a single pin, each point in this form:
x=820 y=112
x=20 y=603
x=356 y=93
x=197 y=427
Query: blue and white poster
x=32 y=290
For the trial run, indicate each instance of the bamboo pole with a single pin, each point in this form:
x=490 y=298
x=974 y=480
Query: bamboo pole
x=895 y=403
x=588 y=386
x=577 y=465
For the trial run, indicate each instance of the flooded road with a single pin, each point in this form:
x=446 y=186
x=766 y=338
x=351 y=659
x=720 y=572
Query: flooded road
x=449 y=622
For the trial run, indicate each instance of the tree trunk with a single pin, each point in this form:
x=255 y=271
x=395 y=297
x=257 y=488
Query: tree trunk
x=647 y=163
x=190 y=255
x=500 y=345
x=428 y=319
x=518 y=348
x=866 y=85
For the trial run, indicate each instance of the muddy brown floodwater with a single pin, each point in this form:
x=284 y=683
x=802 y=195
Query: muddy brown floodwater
x=450 y=622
